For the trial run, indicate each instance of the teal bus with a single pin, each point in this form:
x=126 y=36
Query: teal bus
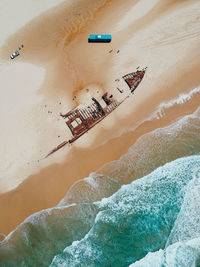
x=99 y=38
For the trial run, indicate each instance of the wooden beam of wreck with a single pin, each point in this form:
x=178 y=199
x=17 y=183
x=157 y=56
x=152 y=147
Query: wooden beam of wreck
x=57 y=148
x=94 y=110
x=90 y=112
x=87 y=112
x=82 y=114
x=97 y=111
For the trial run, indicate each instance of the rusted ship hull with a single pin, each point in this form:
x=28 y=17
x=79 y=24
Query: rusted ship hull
x=134 y=79
x=81 y=120
x=93 y=122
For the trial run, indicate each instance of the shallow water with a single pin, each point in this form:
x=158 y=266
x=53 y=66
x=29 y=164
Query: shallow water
x=101 y=222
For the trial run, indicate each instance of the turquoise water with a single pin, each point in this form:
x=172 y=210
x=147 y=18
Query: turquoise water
x=153 y=214
x=152 y=221
x=140 y=218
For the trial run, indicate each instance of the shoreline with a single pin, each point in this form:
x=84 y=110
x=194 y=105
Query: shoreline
x=111 y=138
x=47 y=188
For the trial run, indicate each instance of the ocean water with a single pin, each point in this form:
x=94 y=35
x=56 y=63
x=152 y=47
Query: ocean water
x=111 y=219
x=153 y=217
x=139 y=218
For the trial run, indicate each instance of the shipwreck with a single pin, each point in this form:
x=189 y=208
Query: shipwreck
x=81 y=119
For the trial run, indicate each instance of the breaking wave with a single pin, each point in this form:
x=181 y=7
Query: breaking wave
x=94 y=226
x=183 y=244
x=140 y=218
x=40 y=237
x=181 y=99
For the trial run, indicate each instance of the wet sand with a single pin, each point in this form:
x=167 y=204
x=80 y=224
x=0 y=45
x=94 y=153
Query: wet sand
x=57 y=43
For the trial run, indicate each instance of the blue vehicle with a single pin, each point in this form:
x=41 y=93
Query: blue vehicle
x=99 y=38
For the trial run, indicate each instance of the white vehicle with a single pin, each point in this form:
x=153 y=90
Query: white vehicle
x=15 y=54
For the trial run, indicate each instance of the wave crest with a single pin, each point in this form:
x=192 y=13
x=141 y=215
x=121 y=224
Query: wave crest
x=137 y=219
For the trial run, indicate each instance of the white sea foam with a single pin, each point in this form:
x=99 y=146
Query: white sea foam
x=179 y=254
x=90 y=180
x=186 y=226
x=151 y=259
x=129 y=204
x=181 y=99
x=35 y=218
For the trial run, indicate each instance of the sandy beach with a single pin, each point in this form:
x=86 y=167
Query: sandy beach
x=57 y=63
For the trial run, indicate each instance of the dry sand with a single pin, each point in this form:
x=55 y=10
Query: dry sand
x=58 y=63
